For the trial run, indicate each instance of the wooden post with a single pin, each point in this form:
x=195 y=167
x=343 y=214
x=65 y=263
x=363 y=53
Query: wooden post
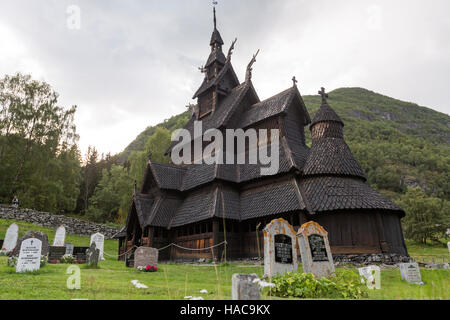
x=302 y=218
x=216 y=237
x=151 y=237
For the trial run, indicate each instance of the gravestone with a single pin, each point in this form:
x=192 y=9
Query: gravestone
x=80 y=253
x=92 y=255
x=448 y=245
x=29 y=255
x=10 y=241
x=99 y=240
x=371 y=276
x=129 y=259
x=280 y=248
x=69 y=248
x=315 y=250
x=410 y=272
x=55 y=253
x=32 y=234
x=1 y=243
x=144 y=256
x=243 y=287
x=60 y=237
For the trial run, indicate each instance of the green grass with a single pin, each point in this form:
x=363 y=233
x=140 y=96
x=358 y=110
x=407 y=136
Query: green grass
x=429 y=252
x=112 y=280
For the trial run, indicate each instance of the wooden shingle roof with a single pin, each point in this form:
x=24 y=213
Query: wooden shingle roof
x=332 y=156
x=343 y=193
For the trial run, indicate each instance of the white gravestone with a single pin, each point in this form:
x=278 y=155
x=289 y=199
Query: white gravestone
x=448 y=245
x=10 y=238
x=371 y=276
x=30 y=255
x=60 y=237
x=99 y=240
x=280 y=248
x=410 y=272
x=315 y=250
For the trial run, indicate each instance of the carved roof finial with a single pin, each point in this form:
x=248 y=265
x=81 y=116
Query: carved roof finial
x=323 y=94
x=230 y=51
x=248 y=75
x=294 y=81
x=149 y=155
x=215 y=21
x=135 y=187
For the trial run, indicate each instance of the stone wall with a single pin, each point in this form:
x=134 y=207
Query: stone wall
x=73 y=226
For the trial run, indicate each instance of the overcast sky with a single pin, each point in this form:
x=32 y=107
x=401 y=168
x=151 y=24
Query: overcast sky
x=131 y=64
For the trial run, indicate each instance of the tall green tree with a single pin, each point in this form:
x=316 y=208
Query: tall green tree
x=38 y=152
x=427 y=218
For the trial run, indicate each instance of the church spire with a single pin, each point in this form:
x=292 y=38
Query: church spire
x=216 y=40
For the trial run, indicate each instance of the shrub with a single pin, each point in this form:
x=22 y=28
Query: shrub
x=346 y=284
x=67 y=258
x=12 y=261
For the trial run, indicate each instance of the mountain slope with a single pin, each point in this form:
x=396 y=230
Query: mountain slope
x=398 y=144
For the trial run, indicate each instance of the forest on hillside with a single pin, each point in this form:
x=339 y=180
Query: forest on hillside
x=403 y=148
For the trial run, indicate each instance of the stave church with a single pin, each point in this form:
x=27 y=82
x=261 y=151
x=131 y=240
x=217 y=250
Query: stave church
x=198 y=207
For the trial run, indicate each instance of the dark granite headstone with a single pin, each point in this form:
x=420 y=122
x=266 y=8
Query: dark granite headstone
x=283 y=248
x=92 y=255
x=32 y=234
x=80 y=252
x=318 y=249
x=1 y=243
x=55 y=253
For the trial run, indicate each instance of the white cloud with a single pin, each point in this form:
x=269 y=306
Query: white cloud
x=134 y=64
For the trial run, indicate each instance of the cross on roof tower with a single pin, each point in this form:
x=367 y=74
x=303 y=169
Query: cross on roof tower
x=323 y=94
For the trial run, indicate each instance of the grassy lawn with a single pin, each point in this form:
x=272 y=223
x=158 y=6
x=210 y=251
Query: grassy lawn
x=174 y=281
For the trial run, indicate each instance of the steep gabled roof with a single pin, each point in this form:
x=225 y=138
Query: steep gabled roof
x=196 y=207
x=227 y=69
x=143 y=204
x=218 y=118
x=272 y=199
x=163 y=211
x=168 y=176
x=273 y=106
x=216 y=55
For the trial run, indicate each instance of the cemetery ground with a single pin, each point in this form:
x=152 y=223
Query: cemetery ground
x=112 y=280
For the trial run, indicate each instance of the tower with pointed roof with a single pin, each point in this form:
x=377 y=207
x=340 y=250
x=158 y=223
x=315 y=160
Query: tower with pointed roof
x=199 y=206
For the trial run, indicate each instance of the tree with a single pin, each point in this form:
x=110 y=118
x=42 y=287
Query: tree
x=157 y=144
x=113 y=193
x=427 y=218
x=38 y=152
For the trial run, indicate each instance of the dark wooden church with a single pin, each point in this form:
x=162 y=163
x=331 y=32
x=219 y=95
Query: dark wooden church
x=199 y=205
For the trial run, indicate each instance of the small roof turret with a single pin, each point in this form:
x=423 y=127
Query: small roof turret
x=325 y=112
